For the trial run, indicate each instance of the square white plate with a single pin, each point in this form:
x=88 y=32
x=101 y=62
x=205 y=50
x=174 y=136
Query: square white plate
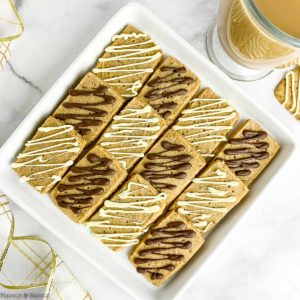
x=116 y=266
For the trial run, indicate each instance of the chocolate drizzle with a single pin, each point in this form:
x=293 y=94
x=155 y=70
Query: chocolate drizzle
x=87 y=181
x=92 y=115
x=247 y=157
x=168 y=245
x=164 y=165
x=166 y=87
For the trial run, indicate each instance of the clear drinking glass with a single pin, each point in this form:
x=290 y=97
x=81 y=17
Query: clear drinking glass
x=245 y=44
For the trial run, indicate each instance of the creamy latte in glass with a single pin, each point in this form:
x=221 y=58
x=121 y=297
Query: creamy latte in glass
x=245 y=33
x=260 y=34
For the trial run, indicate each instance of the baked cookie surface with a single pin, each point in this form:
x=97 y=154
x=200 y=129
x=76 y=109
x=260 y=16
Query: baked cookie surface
x=87 y=184
x=89 y=107
x=210 y=196
x=166 y=248
x=248 y=151
x=48 y=155
x=128 y=61
x=127 y=214
x=170 y=164
x=287 y=92
x=132 y=132
x=205 y=122
x=170 y=87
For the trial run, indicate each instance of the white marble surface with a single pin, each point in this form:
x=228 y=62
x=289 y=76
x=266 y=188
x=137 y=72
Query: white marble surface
x=260 y=258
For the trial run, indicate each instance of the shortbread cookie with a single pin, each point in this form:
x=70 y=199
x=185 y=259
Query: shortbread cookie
x=248 y=151
x=132 y=132
x=210 y=196
x=171 y=164
x=48 y=155
x=89 y=107
x=206 y=121
x=170 y=88
x=128 y=61
x=288 y=92
x=84 y=188
x=166 y=248
x=127 y=215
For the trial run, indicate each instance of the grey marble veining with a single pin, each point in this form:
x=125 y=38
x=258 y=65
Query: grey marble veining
x=22 y=78
x=260 y=259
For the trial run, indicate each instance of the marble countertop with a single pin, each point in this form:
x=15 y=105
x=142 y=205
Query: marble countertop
x=260 y=258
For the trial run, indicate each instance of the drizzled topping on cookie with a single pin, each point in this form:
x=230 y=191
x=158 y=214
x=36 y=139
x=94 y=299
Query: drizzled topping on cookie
x=164 y=246
x=246 y=153
x=210 y=198
x=129 y=62
x=168 y=163
x=167 y=86
x=205 y=123
x=130 y=134
x=124 y=218
x=90 y=112
x=83 y=183
x=46 y=152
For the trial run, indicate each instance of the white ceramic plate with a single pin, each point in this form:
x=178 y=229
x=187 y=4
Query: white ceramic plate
x=116 y=266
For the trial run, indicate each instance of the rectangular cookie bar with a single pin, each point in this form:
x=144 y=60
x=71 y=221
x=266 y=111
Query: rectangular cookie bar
x=210 y=196
x=288 y=92
x=166 y=248
x=89 y=107
x=84 y=188
x=127 y=214
x=132 y=132
x=206 y=121
x=170 y=88
x=128 y=61
x=171 y=164
x=248 y=151
x=48 y=155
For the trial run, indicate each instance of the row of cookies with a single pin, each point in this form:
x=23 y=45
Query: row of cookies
x=125 y=217
x=90 y=106
x=179 y=234
x=87 y=110
x=129 y=135
x=201 y=127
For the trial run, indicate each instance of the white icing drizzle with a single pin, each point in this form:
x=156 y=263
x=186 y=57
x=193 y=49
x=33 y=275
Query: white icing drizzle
x=207 y=121
x=134 y=51
x=125 y=131
x=290 y=81
x=36 y=159
x=134 y=205
x=197 y=204
x=126 y=36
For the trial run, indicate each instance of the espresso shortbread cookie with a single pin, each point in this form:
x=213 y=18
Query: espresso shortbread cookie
x=288 y=94
x=171 y=164
x=206 y=121
x=210 y=196
x=84 y=188
x=248 y=151
x=48 y=155
x=127 y=215
x=89 y=107
x=170 y=88
x=128 y=61
x=132 y=132
x=166 y=248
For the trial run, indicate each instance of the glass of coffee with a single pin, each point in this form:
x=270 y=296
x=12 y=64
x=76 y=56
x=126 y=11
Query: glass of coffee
x=249 y=38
